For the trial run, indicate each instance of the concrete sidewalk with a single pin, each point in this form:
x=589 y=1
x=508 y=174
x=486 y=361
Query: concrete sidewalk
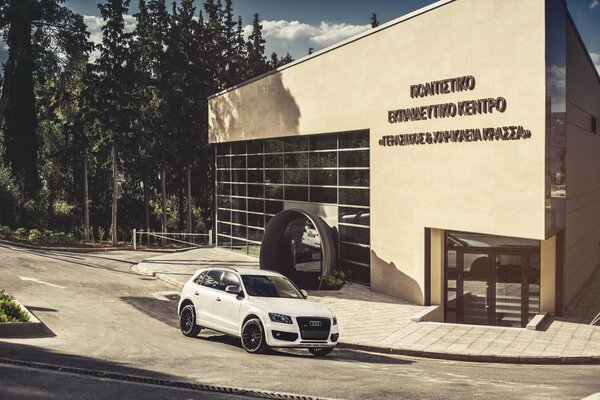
x=376 y=322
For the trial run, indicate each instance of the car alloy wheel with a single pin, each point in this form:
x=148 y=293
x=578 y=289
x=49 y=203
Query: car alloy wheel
x=253 y=336
x=187 y=321
x=320 y=351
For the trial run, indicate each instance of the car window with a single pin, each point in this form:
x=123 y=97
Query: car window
x=270 y=286
x=213 y=279
x=229 y=278
x=199 y=278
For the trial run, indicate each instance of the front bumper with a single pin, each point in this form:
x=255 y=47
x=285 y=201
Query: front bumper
x=290 y=336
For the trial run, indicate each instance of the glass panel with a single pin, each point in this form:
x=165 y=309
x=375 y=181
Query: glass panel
x=298 y=143
x=224 y=241
x=238 y=231
x=354 y=177
x=321 y=160
x=509 y=270
x=223 y=162
x=238 y=162
x=225 y=229
x=358 y=216
x=274 y=192
x=224 y=201
x=256 y=205
x=297 y=160
x=323 y=195
x=273 y=146
x=238 y=217
x=354 y=234
x=255 y=234
x=238 y=190
x=256 y=220
x=238 y=148
x=356 y=273
x=464 y=239
x=255 y=161
x=273 y=207
x=359 y=158
x=274 y=176
x=255 y=176
x=238 y=204
x=238 y=175
x=254 y=249
x=223 y=148
x=354 y=253
x=451 y=275
x=274 y=161
x=323 y=177
x=354 y=140
x=475 y=289
x=299 y=193
x=296 y=176
x=359 y=197
x=223 y=175
x=533 y=279
x=224 y=215
x=239 y=246
x=323 y=142
x=256 y=190
x=305 y=245
x=224 y=188
x=255 y=146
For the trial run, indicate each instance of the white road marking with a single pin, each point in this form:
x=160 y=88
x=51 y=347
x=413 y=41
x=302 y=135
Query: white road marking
x=162 y=295
x=24 y=278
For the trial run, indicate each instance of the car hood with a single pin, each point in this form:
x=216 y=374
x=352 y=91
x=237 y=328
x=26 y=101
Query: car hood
x=292 y=307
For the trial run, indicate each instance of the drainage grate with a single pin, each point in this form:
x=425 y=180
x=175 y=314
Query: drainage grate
x=260 y=394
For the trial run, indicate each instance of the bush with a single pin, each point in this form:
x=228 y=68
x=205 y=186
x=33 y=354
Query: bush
x=10 y=311
x=5 y=232
x=22 y=232
x=335 y=280
x=35 y=235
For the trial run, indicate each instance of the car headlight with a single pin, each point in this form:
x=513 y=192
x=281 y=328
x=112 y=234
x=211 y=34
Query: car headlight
x=282 y=319
x=334 y=321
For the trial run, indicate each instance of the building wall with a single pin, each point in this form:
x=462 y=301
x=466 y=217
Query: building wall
x=583 y=167
x=487 y=187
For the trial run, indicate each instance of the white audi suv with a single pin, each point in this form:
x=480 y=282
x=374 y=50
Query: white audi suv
x=263 y=308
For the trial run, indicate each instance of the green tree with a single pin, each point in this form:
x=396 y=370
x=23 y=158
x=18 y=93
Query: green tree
x=257 y=64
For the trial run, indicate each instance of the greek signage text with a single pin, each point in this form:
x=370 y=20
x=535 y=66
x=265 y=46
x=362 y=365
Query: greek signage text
x=457 y=135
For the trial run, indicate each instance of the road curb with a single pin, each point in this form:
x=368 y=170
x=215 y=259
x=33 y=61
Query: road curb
x=474 y=357
x=70 y=249
x=34 y=327
x=163 y=277
x=253 y=393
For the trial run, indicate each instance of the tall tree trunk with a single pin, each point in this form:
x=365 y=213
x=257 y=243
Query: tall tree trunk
x=189 y=199
x=163 y=200
x=113 y=228
x=86 y=201
x=147 y=205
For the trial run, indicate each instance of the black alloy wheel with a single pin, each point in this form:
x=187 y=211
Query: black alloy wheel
x=320 y=351
x=187 y=321
x=253 y=336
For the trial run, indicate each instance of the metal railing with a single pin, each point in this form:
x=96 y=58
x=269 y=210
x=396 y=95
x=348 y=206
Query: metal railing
x=190 y=239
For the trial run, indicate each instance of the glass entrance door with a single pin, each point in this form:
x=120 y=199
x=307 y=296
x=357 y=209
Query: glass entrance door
x=476 y=300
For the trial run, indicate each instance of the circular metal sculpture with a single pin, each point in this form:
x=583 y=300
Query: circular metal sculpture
x=278 y=251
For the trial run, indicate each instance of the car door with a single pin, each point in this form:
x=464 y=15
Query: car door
x=204 y=297
x=227 y=305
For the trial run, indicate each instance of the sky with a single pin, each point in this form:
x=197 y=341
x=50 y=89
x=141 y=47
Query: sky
x=294 y=26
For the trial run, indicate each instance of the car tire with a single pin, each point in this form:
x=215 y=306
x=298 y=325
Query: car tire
x=320 y=351
x=253 y=336
x=187 y=321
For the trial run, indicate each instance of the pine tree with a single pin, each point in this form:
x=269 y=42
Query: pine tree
x=257 y=63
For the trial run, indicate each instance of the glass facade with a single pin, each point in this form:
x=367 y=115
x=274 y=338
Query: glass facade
x=257 y=179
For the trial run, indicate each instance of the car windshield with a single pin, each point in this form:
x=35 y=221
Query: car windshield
x=270 y=286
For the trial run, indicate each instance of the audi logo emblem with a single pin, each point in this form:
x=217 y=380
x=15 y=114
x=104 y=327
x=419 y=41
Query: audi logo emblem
x=315 y=324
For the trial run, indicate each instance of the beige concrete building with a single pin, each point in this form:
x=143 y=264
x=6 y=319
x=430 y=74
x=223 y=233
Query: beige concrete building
x=449 y=157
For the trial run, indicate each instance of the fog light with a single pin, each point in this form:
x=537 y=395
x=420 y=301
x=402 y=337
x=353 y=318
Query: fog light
x=335 y=337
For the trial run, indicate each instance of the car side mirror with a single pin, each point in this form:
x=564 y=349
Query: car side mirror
x=304 y=293
x=233 y=289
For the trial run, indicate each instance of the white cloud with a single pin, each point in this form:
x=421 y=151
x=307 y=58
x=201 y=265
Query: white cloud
x=94 y=26
x=296 y=37
x=594 y=4
x=596 y=60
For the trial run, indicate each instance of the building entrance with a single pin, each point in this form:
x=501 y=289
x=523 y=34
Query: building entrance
x=488 y=283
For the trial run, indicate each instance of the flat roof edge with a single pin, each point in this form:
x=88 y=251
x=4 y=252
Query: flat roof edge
x=345 y=42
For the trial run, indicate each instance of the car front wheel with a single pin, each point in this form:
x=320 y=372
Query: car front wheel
x=320 y=351
x=253 y=336
x=187 y=321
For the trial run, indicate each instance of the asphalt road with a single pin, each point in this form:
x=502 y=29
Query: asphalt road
x=100 y=315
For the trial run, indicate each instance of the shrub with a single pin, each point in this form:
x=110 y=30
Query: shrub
x=335 y=280
x=5 y=232
x=11 y=311
x=35 y=235
x=22 y=232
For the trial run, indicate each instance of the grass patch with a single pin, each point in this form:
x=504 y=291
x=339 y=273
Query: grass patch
x=11 y=311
